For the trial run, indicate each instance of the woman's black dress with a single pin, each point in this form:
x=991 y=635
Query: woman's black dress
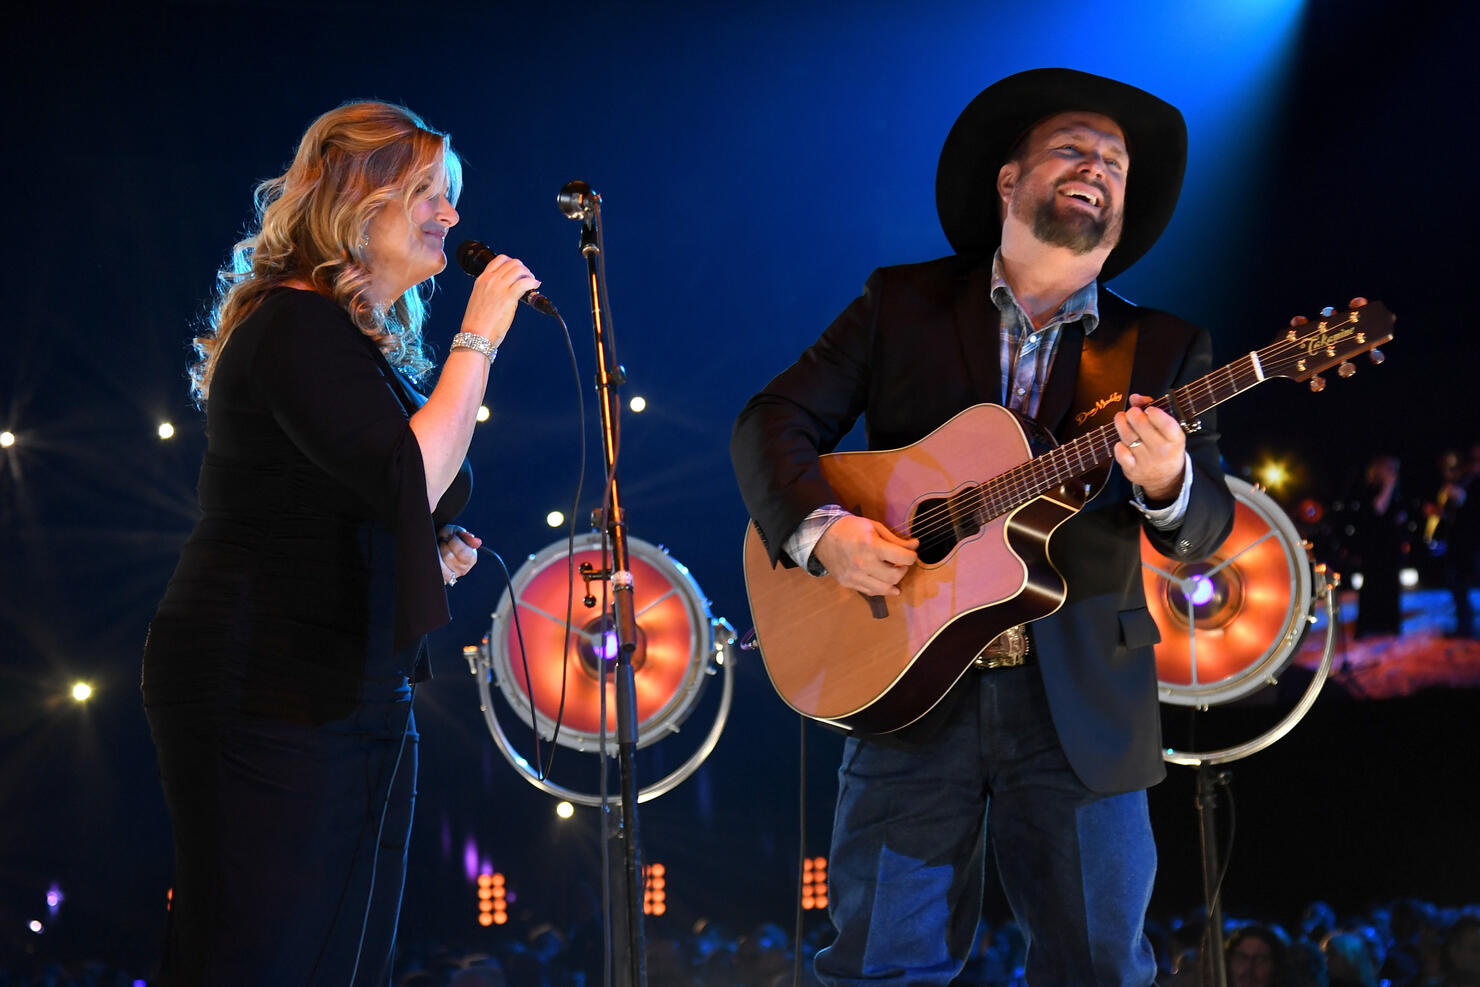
x=278 y=667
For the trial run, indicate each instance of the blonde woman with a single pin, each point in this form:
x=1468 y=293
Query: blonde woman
x=278 y=670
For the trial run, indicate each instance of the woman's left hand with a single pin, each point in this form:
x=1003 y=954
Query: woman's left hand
x=458 y=550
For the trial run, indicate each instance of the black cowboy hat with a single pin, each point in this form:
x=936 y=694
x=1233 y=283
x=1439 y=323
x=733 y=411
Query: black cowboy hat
x=1003 y=113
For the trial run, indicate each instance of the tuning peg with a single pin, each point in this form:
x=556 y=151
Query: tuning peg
x=1346 y=369
x=1318 y=384
x=1377 y=356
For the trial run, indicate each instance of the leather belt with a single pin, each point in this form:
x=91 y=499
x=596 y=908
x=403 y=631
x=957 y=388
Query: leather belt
x=1007 y=650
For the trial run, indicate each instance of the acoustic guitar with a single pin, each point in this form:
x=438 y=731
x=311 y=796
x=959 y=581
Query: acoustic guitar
x=984 y=493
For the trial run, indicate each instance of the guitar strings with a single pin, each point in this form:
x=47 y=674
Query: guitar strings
x=1026 y=481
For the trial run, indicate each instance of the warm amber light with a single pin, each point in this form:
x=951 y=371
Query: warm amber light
x=1273 y=474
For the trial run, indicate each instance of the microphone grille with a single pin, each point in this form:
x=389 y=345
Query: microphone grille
x=473 y=256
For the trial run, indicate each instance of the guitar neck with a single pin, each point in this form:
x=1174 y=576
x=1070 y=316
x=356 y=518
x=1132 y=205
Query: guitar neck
x=1298 y=354
x=1086 y=453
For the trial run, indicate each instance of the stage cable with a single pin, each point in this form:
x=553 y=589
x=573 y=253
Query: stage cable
x=375 y=848
x=796 y=963
x=1221 y=779
x=543 y=306
x=608 y=954
x=607 y=523
x=570 y=560
x=523 y=651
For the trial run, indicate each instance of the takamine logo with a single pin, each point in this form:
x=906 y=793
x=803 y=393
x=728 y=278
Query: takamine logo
x=1323 y=339
x=1100 y=406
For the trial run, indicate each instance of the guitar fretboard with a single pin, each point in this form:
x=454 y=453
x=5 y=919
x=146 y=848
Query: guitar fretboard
x=1299 y=355
x=1084 y=454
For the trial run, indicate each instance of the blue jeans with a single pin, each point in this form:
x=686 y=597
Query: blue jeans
x=275 y=829
x=911 y=827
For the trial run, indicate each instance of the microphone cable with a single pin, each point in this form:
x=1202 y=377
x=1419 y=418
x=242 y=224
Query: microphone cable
x=570 y=562
x=523 y=654
x=375 y=847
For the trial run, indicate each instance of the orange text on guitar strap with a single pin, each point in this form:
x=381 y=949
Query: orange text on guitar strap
x=1100 y=406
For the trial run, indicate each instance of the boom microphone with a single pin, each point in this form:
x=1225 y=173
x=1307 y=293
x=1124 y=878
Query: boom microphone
x=473 y=257
x=577 y=201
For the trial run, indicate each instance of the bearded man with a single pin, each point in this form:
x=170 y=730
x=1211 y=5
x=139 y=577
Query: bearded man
x=1051 y=182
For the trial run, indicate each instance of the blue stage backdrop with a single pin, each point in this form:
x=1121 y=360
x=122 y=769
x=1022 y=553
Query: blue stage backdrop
x=756 y=161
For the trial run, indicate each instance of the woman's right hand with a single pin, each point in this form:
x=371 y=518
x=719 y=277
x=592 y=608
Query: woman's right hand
x=495 y=298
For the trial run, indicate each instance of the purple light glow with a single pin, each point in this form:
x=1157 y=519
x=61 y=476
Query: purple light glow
x=470 y=859
x=1202 y=590
x=609 y=646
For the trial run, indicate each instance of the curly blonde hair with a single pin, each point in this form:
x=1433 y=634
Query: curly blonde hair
x=311 y=223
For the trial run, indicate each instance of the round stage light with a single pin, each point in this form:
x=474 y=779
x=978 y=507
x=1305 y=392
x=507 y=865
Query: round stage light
x=81 y=691
x=555 y=519
x=166 y=430
x=676 y=653
x=7 y=439
x=1231 y=623
x=673 y=625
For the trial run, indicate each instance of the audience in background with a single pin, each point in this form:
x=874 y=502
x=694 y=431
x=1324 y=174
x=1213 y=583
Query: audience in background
x=1408 y=943
x=1348 y=963
x=1257 y=956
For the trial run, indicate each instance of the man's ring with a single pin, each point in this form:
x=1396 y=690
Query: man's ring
x=1133 y=443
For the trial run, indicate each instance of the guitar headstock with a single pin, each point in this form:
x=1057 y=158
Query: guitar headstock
x=1305 y=351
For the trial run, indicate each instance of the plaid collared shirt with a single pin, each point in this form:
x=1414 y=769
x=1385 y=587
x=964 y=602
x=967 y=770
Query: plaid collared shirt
x=1026 y=353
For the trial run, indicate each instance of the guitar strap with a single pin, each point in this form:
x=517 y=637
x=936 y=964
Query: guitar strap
x=1104 y=378
x=1101 y=382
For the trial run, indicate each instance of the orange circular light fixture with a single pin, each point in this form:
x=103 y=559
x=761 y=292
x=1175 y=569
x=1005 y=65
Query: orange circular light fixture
x=673 y=626
x=1230 y=624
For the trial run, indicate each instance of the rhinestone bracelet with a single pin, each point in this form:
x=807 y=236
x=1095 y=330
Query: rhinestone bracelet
x=476 y=343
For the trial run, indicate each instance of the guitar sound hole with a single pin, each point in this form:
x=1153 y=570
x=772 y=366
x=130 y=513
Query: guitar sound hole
x=931 y=523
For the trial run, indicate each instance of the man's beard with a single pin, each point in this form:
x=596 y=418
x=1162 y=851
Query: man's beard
x=1071 y=228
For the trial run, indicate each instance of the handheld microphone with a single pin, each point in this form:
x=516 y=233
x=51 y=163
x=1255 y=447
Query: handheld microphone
x=473 y=257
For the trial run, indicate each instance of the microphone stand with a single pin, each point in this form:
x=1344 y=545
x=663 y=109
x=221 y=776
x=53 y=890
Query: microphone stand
x=1214 y=967
x=578 y=201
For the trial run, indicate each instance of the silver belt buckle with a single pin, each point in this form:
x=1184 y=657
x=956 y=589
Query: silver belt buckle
x=1007 y=650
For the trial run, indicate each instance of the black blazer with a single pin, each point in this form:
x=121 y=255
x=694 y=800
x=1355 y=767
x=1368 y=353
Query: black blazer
x=918 y=346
